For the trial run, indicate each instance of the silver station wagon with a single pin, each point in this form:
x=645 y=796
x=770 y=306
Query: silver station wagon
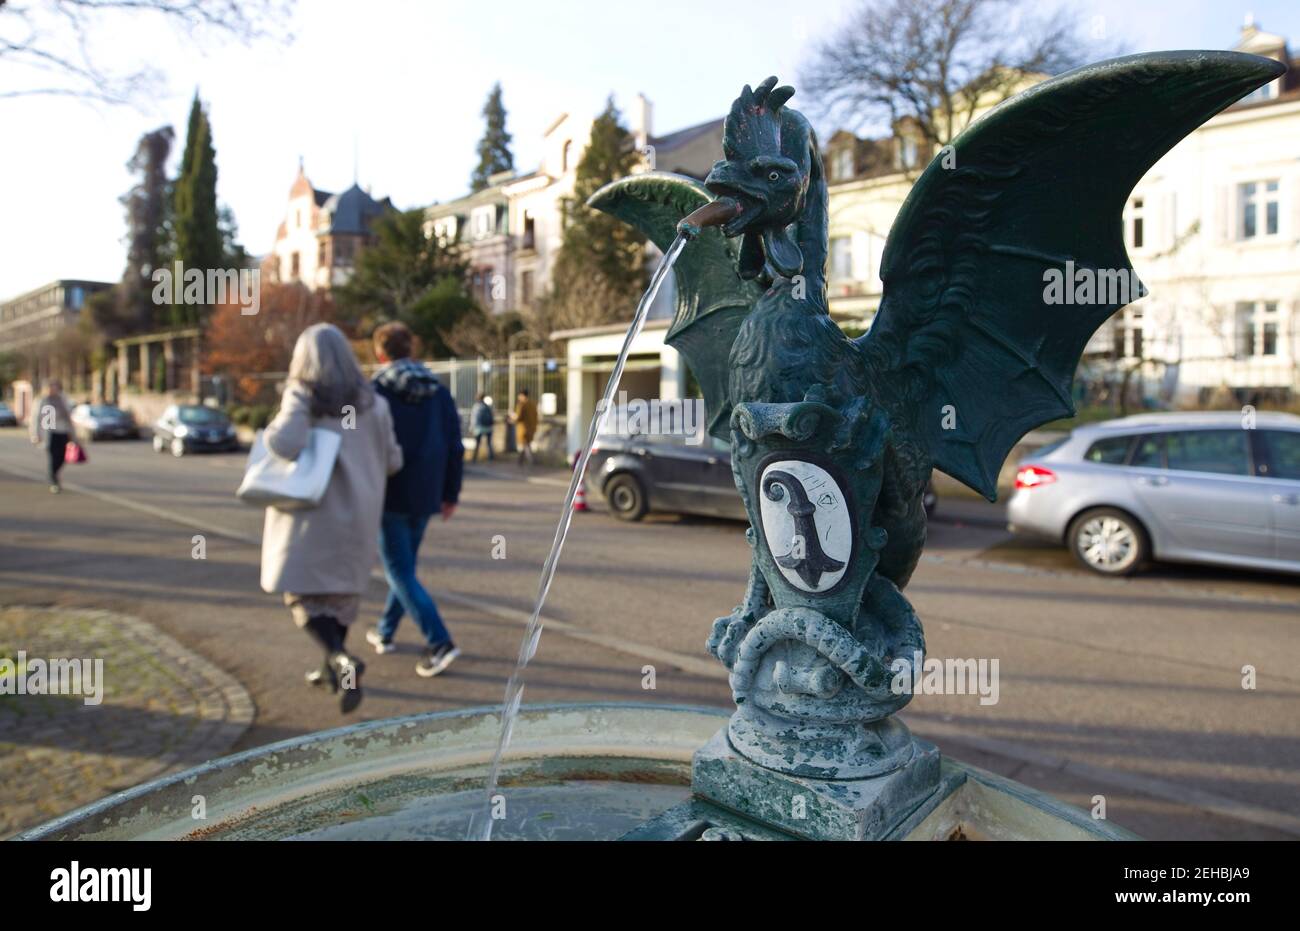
x=1188 y=487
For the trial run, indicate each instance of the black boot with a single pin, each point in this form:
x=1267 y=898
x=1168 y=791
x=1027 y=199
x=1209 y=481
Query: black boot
x=340 y=671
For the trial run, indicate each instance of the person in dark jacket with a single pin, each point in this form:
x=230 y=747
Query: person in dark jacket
x=428 y=430
x=483 y=423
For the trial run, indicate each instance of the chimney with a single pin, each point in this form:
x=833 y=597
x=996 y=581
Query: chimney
x=642 y=128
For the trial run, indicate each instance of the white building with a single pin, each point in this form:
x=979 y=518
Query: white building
x=321 y=235
x=1213 y=230
x=654 y=369
x=515 y=227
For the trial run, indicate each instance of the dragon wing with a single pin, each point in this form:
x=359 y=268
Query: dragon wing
x=965 y=344
x=712 y=298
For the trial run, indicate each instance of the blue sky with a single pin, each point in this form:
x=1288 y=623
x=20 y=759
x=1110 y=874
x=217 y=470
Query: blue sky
x=404 y=82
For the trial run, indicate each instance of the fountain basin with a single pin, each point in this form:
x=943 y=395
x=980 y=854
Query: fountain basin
x=574 y=771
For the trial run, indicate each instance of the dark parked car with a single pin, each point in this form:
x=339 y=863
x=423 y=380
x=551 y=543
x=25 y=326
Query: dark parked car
x=7 y=418
x=187 y=428
x=642 y=472
x=103 y=421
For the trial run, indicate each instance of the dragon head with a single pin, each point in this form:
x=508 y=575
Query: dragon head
x=767 y=170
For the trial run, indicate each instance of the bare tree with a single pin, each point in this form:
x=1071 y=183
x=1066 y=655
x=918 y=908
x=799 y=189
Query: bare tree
x=483 y=334
x=52 y=39
x=586 y=300
x=936 y=63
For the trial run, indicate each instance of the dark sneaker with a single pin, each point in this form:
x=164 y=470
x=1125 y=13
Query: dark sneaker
x=381 y=645
x=346 y=680
x=436 y=659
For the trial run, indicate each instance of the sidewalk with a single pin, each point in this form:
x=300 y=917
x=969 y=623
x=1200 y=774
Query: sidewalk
x=157 y=708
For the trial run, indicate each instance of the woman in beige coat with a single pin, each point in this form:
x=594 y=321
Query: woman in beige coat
x=320 y=558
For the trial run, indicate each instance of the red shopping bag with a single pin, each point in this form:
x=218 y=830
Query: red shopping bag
x=74 y=453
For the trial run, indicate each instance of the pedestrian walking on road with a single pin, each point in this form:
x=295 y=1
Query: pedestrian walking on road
x=428 y=430
x=51 y=424
x=320 y=558
x=483 y=423
x=525 y=420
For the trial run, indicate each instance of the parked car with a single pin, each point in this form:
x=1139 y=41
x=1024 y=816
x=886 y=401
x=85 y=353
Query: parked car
x=1189 y=487
x=101 y=421
x=7 y=416
x=641 y=472
x=187 y=428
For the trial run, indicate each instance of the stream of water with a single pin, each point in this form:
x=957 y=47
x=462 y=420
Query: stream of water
x=480 y=825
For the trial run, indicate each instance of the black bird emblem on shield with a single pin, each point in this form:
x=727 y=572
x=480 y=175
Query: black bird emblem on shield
x=806 y=556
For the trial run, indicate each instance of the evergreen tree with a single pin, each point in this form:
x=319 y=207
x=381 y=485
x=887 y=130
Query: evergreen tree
x=409 y=276
x=597 y=248
x=494 y=148
x=148 y=236
x=196 y=220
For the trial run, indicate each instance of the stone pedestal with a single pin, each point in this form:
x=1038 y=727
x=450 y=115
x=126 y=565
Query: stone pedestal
x=820 y=809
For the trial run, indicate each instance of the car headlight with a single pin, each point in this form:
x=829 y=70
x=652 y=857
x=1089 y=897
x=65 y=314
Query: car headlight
x=181 y=431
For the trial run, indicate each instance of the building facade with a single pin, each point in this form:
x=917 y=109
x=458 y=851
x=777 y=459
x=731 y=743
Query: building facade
x=322 y=234
x=1213 y=230
x=513 y=229
x=41 y=329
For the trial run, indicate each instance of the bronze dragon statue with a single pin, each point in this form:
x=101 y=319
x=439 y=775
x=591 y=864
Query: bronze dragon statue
x=833 y=439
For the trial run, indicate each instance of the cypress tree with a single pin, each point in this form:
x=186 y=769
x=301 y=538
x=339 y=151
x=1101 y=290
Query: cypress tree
x=595 y=243
x=199 y=243
x=494 y=148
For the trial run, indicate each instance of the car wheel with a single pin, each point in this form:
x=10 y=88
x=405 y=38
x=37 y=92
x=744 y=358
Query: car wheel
x=626 y=496
x=1109 y=541
x=178 y=447
x=158 y=444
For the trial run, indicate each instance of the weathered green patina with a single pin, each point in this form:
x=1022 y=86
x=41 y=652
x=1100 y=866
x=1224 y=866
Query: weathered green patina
x=834 y=439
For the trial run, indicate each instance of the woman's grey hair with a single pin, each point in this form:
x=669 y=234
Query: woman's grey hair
x=325 y=365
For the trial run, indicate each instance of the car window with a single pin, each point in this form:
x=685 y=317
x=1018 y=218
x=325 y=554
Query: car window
x=1222 y=451
x=201 y=415
x=1282 y=450
x=1150 y=452
x=1113 y=450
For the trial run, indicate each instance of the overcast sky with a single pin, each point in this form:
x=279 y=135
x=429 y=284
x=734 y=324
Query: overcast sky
x=404 y=82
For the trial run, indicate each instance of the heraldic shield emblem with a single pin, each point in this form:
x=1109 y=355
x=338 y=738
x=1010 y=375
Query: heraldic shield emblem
x=806 y=523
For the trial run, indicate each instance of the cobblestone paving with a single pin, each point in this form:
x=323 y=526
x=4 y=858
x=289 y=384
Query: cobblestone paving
x=163 y=708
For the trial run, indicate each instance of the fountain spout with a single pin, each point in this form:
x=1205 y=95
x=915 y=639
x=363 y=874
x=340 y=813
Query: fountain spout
x=714 y=213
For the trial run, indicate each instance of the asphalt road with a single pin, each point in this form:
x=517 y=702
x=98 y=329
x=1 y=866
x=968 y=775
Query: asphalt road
x=1126 y=689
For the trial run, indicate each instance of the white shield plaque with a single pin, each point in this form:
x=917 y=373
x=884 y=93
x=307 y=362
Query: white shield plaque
x=806 y=523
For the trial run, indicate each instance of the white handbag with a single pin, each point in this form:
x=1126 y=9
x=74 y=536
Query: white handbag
x=290 y=484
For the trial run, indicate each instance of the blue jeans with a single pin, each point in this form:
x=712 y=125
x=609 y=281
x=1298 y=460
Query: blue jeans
x=399 y=545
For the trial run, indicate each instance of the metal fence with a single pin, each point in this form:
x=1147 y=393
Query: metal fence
x=545 y=378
